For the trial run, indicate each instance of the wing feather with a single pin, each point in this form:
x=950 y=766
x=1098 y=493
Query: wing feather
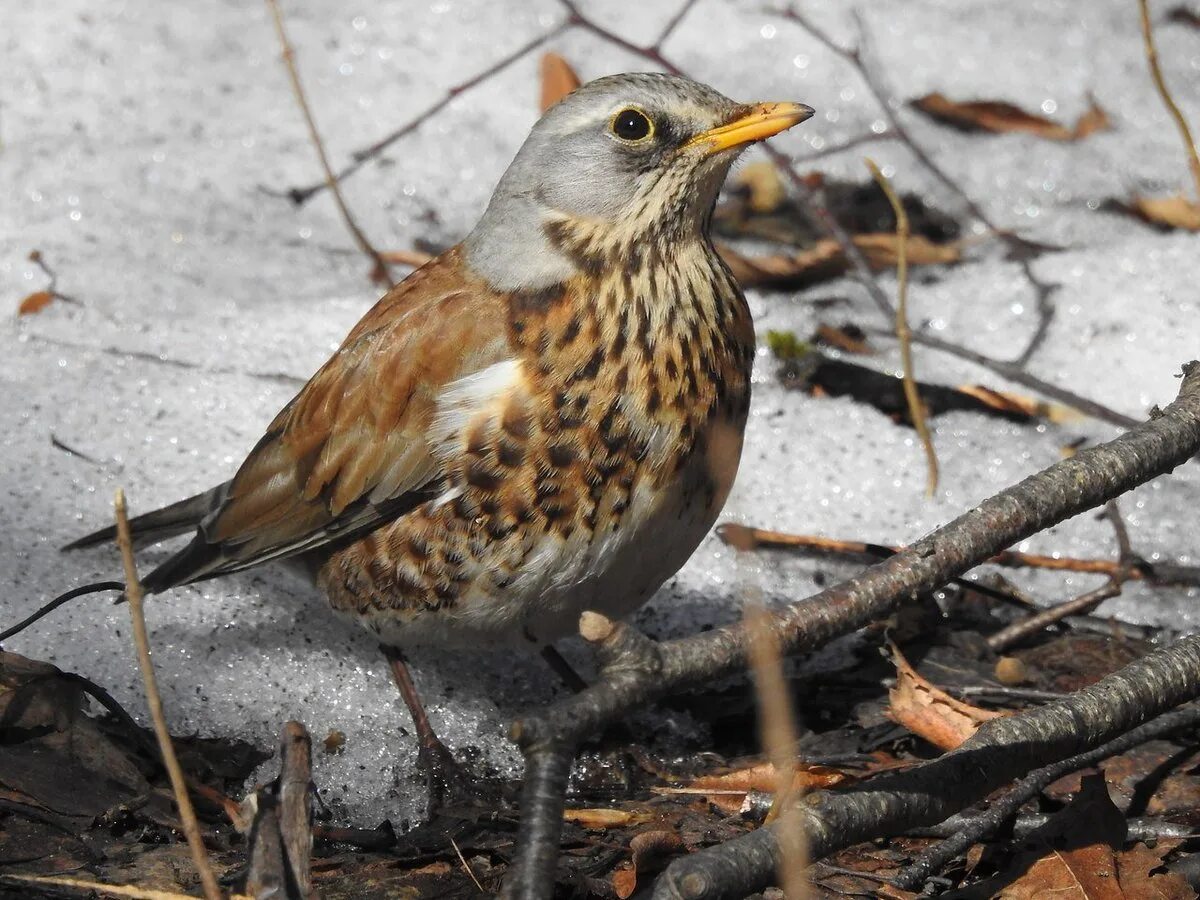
x=356 y=447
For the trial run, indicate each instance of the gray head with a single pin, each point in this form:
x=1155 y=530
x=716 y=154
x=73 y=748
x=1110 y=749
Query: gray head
x=626 y=153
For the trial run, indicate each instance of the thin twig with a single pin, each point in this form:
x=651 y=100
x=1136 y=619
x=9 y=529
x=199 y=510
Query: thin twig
x=1001 y=751
x=113 y=890
x=187 y=815
x=361 y=157
x=380 y=271
x=745 y=537
x=466 y=868
x=1164 y=92
x=1025 y=628
x=778 y=733
x=916 y=409
x=974 y=829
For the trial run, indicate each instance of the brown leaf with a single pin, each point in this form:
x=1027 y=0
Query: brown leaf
x=1171 y=212
x=1017 y=404
x=847 y=338
x=558 y=80
x=998 y=117
x=728 y=790
x=930 y=712
x=1181 y=15
x=35 y=302
x=1072 y=856
x=825 y=260
x=600 y=819
x=1143 y=874
x=764 y=188
x=650 y=852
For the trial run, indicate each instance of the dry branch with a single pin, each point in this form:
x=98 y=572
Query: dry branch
x=380 y=271
x=636 y=670
x=1164 y=92
x=1002 y=749
x=187 y=815
x=281 y=836
x=916 y=409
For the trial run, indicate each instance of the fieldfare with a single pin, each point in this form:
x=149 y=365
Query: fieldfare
x=545 y=419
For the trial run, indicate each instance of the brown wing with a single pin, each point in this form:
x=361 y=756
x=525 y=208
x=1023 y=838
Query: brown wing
x=353 y=449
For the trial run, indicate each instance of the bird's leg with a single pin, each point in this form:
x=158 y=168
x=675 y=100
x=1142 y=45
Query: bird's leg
x=446 y=778
x=563 y=669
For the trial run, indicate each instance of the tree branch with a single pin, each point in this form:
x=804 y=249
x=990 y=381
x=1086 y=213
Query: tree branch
x=1001 y=750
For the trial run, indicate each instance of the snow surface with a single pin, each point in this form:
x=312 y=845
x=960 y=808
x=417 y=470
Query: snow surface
x=140 y=151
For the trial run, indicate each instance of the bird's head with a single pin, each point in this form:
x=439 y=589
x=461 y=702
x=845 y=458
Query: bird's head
x=622 y=156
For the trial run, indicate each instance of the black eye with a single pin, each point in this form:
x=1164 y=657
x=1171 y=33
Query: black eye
x=631 y=125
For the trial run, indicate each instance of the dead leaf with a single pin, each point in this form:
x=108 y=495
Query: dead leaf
x=601 y=819
x=335 y=742
x=1171 y=212
x=930 y=712
x=763 y=187
x=825 y=260
x=1144 y=875
x=847 y=338
x=1181 y=15
x=1071 y=857
x=650 y=852
x=728 y=790
x=35 y=302
x=558 y=80
x=999 y=117
x=1002 y=401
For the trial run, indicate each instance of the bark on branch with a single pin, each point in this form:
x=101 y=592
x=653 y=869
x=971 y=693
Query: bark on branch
x=1002 y=750
x=640 y=671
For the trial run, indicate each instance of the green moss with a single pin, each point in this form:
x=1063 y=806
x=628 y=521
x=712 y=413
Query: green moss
x=786 y=346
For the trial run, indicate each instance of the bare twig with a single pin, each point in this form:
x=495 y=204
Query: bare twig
x=1164 y=92
x=965 y=831
x=465 y=866
x=916 y=409
x=1025 y=628
x=187 y=815
x=1015 y=373
x=638 y=670
x=1001 y=750
x=778 y=731
x=744 y=537
x=380 y=271
x=1019 y=247
x=281 y=834
x=360 y=157
x=112 y=890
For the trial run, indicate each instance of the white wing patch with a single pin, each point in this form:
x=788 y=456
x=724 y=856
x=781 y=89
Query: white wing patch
x=481 y=393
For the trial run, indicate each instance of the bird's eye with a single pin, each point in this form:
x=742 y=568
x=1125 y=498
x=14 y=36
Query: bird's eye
x=632 y=125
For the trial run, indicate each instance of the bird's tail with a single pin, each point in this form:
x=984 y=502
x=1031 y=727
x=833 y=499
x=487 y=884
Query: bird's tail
x=81 y=591
x=160 y=524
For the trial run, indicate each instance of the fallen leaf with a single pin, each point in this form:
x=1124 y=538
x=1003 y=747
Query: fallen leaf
x=1071 y=857
x=1181 y=15
x=1171 y=212
x=1143 y=874
x=928 y=711
x=847 y=338
x=650 y=851
x=825 y=260
x=728 y=791
x=1026 y=406
x=601 y=819
x=335 y=742
x=35 y=302
x=998 y=117
x=558 y=80
x=763 y=187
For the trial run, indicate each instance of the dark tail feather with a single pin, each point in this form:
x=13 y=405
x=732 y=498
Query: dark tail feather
x=178 y=518
x=58 y=601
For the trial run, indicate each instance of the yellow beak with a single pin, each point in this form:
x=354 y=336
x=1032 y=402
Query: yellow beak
x=756 y=123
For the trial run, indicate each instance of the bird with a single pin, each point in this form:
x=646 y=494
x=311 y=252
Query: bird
x=543 y=420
